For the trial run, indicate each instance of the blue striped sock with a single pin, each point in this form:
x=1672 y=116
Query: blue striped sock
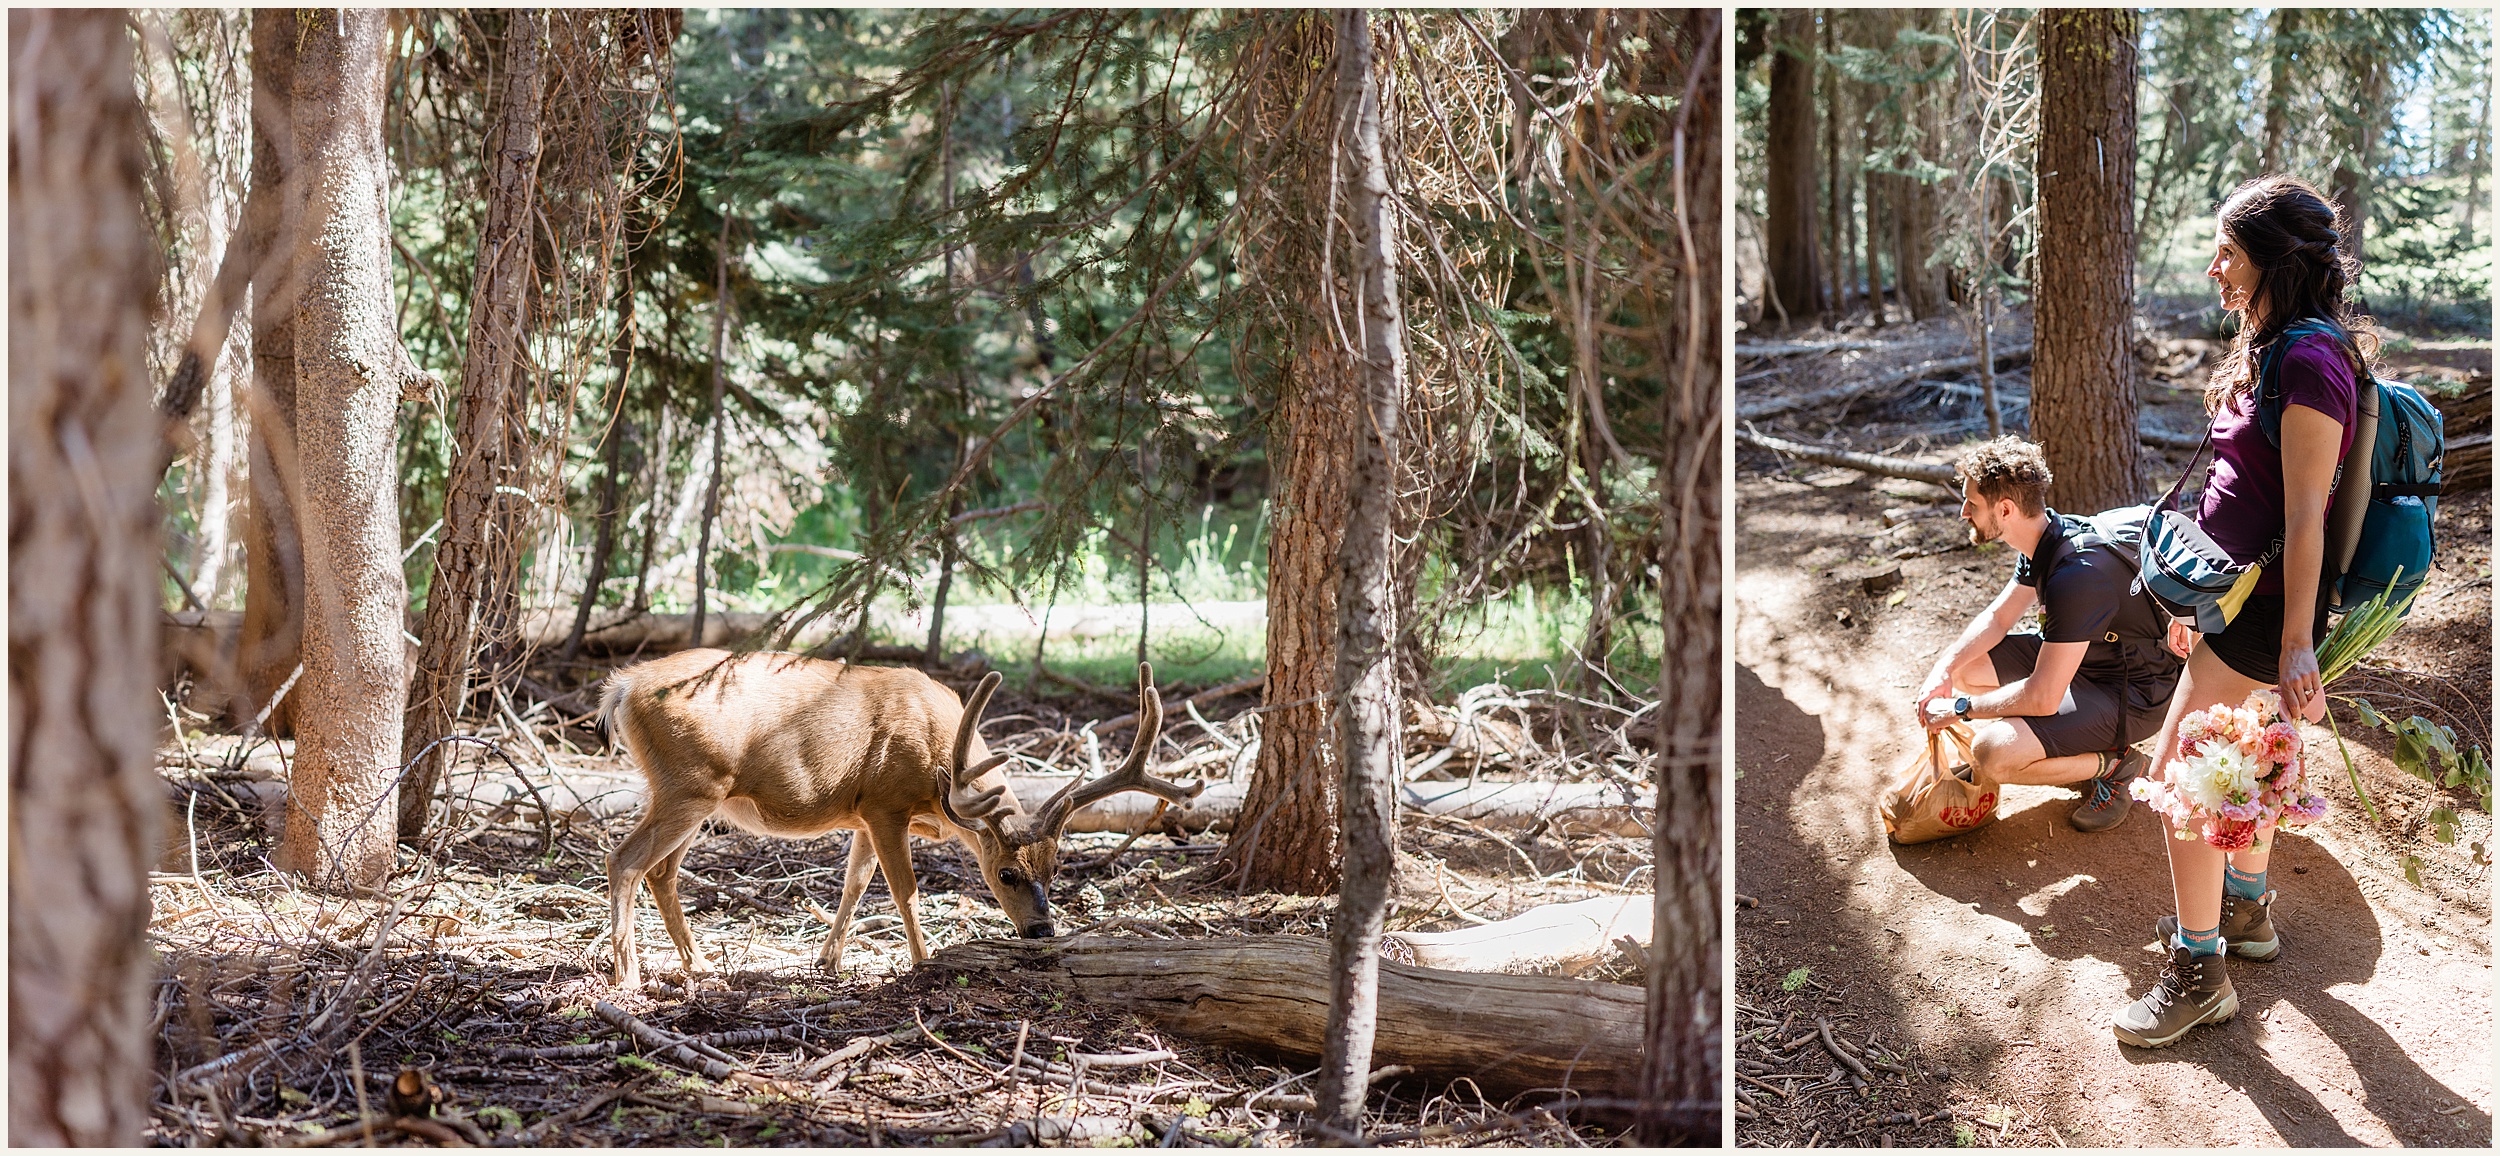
x=2206 y=942
x=2243 y=884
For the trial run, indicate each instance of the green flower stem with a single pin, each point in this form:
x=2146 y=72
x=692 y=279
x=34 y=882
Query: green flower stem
x=2350 y=771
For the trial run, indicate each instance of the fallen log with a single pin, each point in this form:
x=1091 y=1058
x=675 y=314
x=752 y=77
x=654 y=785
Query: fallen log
x=1268 y=994
x=2468 y=465
x=1565 y=807
x=1941 y=475
x=1556 y=939
x=1792 y=348
x=1816 y=399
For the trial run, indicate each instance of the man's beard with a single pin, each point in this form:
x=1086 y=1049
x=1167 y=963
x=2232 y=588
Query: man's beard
x=1978 y=538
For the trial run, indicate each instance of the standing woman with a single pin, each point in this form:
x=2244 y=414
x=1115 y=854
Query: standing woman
x=2276 y=264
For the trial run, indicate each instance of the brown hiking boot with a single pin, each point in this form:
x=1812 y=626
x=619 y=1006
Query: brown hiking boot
x=2194 y=989
x=2247 y=925
x=2105 y=799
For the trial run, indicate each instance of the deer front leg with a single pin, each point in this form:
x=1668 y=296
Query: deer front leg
x=665 y=826
x=854 y=881
x=891 y=836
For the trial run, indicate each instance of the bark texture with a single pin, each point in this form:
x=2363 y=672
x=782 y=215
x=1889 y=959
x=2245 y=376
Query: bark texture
x=350 y=370
x=84 y=446
x=1679 y=1083
x=1367 y=691
x=273 y=552
x=2083 y=403
x=1287 y=839
x=1796 y=262
x=492 y=391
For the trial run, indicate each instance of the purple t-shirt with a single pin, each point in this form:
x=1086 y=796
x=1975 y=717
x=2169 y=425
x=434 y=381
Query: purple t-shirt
x=2243 y=507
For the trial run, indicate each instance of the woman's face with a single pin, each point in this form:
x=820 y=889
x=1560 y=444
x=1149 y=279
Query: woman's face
x=2233 y=273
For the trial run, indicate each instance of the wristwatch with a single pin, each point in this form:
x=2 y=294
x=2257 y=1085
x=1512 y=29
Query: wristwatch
x=1961 y=707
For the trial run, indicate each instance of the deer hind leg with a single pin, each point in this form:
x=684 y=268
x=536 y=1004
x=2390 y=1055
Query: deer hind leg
x=890 y=834
x=666 y=826
x=663 y=882
x=854 y=881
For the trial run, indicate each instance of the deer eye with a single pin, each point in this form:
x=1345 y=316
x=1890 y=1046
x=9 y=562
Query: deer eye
x=1011 y=878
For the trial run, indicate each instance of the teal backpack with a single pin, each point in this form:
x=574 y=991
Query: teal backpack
x=2387 y=487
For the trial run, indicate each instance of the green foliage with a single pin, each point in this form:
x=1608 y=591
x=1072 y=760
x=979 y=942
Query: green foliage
x=1796 y=979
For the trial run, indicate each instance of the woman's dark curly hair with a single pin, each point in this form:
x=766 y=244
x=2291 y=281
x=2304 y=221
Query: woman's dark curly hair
x=2290 y=233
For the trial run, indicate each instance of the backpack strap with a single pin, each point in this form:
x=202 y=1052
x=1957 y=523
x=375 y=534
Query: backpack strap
x=2269 y=383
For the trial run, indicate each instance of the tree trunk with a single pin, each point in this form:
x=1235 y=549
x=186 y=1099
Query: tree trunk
x=720 y=422
x=1835 y=205
x=2353 y=175
x=271 y=646
x=2083 y=403
x=85 y=441
x=620 y=429
x=1508 y=1033
x=350 y=370
x=1287 y=839
x=1680 y=1070
x=1368 y=743
x=2279 y=87
x=492 y=394
x=1796 y=267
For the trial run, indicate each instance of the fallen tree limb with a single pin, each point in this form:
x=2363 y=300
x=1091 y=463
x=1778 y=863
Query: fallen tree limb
x=2468 y=465
x=1594 y=807
x=1792 y=348
x=675 y=1049
x=1816 y=399
x=1556 y=939
x=1878 y=464
x=1269 y=994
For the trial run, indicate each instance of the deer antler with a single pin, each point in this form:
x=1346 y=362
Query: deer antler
x=964 y=804
x=1052 y=819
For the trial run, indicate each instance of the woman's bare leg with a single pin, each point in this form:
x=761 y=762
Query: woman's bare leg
x=2195 y=865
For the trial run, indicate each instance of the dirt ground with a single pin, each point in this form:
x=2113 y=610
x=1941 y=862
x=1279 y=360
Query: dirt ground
x=1987 y=965
x=485 y=970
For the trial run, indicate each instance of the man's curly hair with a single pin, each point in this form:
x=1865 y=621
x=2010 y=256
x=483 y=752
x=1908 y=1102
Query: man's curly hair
x=2008 y=467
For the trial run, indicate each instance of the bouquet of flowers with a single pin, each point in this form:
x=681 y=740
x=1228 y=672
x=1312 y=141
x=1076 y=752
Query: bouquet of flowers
x=2239 y=768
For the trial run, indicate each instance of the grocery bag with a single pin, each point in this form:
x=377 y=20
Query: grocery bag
x=1929 y=801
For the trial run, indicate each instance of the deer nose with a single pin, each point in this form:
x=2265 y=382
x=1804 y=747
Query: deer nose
x=1042 y=930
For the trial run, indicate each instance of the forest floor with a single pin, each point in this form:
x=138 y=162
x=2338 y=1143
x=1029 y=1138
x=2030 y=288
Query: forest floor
x=1986 y=966
x=485 y=970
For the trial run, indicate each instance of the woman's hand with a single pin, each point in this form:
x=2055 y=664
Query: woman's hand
x=2183 y=636
x=2298 y=668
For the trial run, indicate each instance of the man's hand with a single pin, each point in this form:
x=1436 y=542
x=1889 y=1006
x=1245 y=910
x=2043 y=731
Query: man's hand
x=2183 y=636
x=1939 y=685
x=1936 y=714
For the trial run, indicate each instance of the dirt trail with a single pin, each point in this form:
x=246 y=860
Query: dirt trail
x=1996 y=957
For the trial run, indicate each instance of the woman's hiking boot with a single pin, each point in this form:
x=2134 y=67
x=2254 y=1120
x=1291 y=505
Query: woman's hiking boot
x=2105 y=799
x=2194 y=989
x=2247 y=925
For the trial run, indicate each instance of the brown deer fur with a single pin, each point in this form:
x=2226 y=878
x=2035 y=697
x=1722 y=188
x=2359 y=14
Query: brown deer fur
x=795 y=747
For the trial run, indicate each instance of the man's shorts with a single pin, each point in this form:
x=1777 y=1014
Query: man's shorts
x=2087 y=720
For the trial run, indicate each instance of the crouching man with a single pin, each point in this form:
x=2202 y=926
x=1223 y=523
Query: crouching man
x=2067 y=704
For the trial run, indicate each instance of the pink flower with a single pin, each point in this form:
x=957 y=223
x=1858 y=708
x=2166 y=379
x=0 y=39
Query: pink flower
x=2248 y=812
x=2265 y=702
x=2278 y=743
x=2231 y=835
x=2309 y=809
x=2194 y=730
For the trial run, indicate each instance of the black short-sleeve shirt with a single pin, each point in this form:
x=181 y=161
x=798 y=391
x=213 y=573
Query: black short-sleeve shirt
x=2085 y=598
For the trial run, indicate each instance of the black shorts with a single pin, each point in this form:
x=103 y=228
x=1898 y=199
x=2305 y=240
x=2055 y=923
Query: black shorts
x=2087 y=721
x=2253 y=644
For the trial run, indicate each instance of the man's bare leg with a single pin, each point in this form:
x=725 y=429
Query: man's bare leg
x=2008 y=752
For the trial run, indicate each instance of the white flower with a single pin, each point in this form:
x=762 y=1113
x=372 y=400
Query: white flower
x=2221 y=773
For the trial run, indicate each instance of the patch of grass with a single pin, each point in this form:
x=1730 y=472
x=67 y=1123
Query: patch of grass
x=1796 y=979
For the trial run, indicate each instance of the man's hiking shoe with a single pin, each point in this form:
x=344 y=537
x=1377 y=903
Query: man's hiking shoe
x=2105 y=799
x=2247 y=925
x=2194 y=989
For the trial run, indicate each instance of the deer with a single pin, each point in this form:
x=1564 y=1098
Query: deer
x=795 y=747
